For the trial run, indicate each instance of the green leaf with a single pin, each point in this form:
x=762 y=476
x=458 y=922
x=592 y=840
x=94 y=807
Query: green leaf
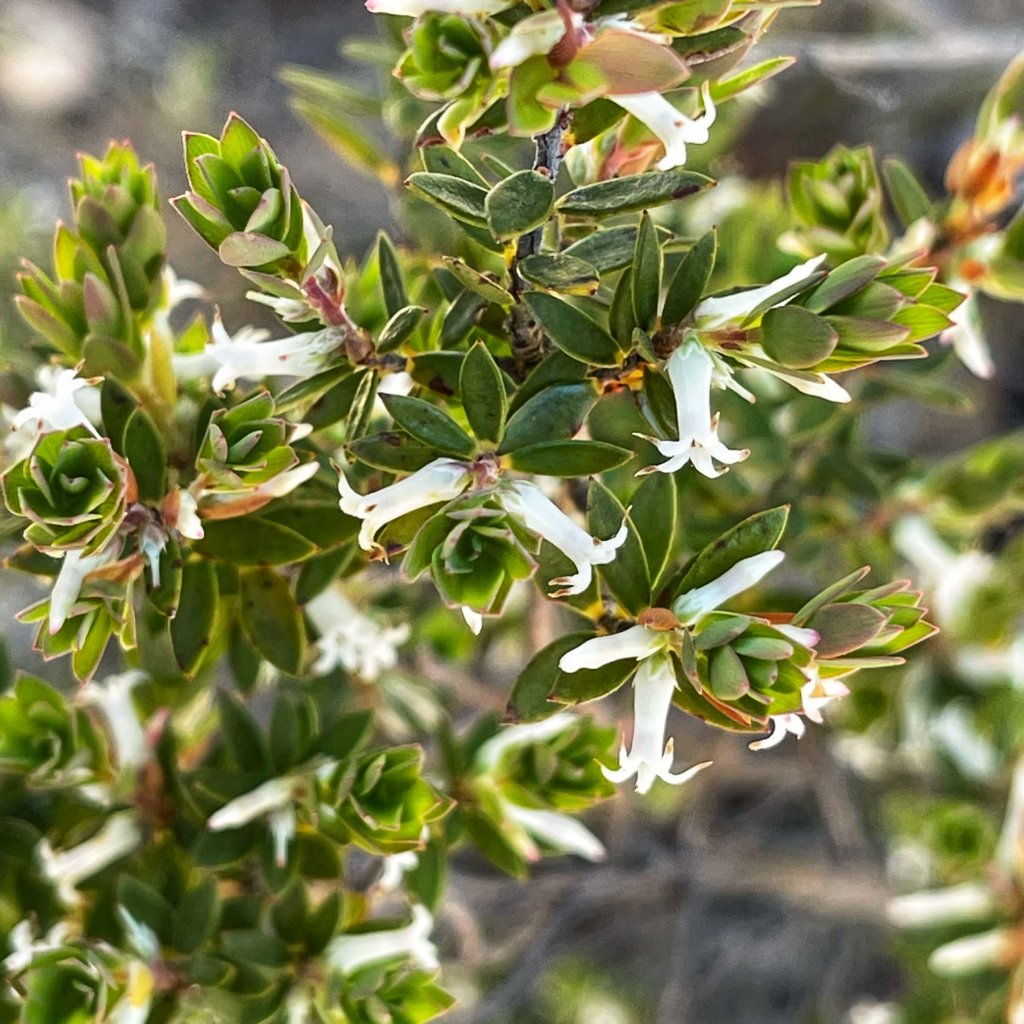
x=399 y=328
x=271 y=619
x=844 y=282
x=429 y=424
x=392 y=283
x=560 y=272
x=196 y=916
x=647 y=267
x=116 y=407
x=726 y=674
x=554 y=414
x=252 y=541
x=519 y=203
x=690 y=279
x=796 y=337
x=193 y=626
x=906 y=193
x=654 y=512
x=242 y=735
x=484 y=285
x=568 y=458
x=391 y=450
x=146 y=452
x=528 y=701
x=638 y=192
x=607 y=249
x=626 y=576
x=759 y=533
x=482 y=391
x=248 y=249
x=459 y=198
x=845 y=627
x=573 y=331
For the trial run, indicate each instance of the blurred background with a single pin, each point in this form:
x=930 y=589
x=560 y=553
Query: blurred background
x=758 y=895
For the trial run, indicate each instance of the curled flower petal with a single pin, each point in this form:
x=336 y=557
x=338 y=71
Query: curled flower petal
x=672 y=127
x=559 y=831
x=347 y=953
x=782 y=726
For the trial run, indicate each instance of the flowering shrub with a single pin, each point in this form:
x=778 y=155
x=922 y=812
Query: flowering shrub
x=548 y=382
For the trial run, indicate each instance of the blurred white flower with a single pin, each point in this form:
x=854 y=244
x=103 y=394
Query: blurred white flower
x=395 y=868
x=273 y=800
x=133 y=1007
x=113 y=698
x=56 y=407
x=490 y=753
x=119 y=836
x=189 y=524
x=559 y=831
x=348 y=953
x=974 y=953
x=24 y=947
x=958 y=904
x=350 y=639
x=67 y=587
x=951 y=579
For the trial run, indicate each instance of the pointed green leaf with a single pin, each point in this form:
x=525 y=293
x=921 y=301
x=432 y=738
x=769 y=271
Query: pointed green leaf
x=482 y=390
x=572 y=330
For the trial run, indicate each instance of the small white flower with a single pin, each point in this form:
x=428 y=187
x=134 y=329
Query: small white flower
x=67 y=587
x=350 y=639
x=633 y=644
x=113 y=697
x=189 y=524
x=56 y=407
x=247 y=354
x=673 y=128
x=542 y=516
x=25 y=948
x=958 y=904
x=742 y=576
x=275 y=800
x=133 y=1007
x=152 y=540
x=395 y=868
x=559 y=831
x=348 y=953
x=534 y=35
x=690 y=370
x=489 y=754
x=438 y=481
x=782 y=726
x=952 y=579
x=650 y=757
x=967 y=335
x=414 y=8
x=179 y=290
x=119 y=836
x=816 y=693
x=141 y=938
x=473 y=619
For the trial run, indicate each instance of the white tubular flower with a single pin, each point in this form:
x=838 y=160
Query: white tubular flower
x=179 y=290
x=414 y=8
x=742 y=576
x=439 y=481
x=113 y=697
x=952 y=579
x=725 y=309
x=275 y=800
x=55 y=407
x=25 y=948
x=133 y=1007
x=247 y=354
x=533 y=36
x=542 y=516
x=351 y=640
x=674 y=128
x=189 y=524
x=634 y=644
x=973 y=954
x=559 y=831
x=119 y=836
x=782 y=726
x=967 y=335
x=650 y=756
x=74 y=569
x=348 y=953
x=958 y=904
x=490 y=753
x=993 y=664
x=817 y=693
x=690 y=369
x=395 y=868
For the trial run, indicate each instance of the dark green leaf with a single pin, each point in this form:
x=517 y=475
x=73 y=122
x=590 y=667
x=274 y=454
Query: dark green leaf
x=638 y=192
x=554 y=414
x=568 y=458
x=519 y=203
x=271 y=619
x=690 y=279
x=482 y=391
x=572 y=330
x=429 y=424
